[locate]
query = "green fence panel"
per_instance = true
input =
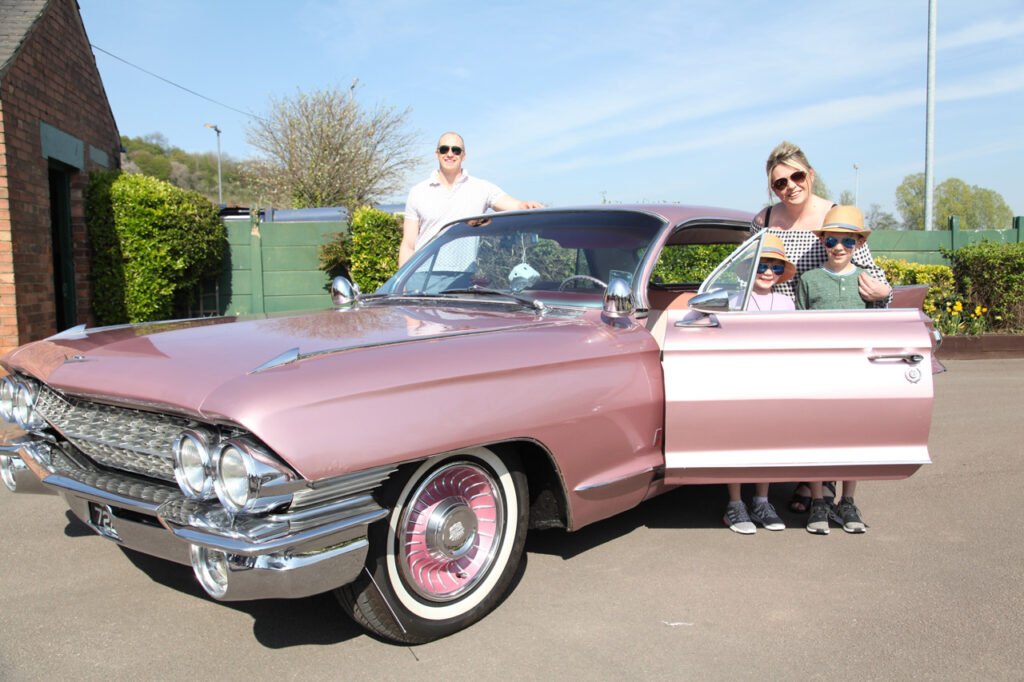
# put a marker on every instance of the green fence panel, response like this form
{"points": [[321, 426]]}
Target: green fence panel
{"points": [[271, 267]]}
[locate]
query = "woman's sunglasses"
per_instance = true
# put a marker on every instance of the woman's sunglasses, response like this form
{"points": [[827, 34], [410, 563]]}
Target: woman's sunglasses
{"points": [[777, 268], [781, 183], [443, 149], [848, 242]]}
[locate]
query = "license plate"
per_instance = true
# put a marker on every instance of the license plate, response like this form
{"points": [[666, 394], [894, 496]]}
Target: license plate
{"points": [[101, 518]]}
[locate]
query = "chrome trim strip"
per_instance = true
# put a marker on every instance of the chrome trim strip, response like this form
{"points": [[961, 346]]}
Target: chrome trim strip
{"points": [[286, 358], [618, 479], [276, 545]]}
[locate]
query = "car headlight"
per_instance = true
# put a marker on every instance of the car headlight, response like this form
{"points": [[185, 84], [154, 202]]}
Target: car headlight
{"points": [[7, 388], [24, 407], [246, 480], [193, 464]]}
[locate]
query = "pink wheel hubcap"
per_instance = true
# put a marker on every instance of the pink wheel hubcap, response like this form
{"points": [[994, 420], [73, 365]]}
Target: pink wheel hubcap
{"points": [[450, 531]]}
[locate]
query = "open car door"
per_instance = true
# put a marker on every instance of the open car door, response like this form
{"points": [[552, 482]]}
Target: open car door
{"points": [[792, 395]]}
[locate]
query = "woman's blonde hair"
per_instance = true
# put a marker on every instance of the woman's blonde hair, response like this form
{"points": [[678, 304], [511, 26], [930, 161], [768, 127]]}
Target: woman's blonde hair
{"points": [[789, 154]]}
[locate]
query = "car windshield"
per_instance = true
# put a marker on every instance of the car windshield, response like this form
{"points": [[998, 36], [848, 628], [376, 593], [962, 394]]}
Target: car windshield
{"points": [[558, 257]]}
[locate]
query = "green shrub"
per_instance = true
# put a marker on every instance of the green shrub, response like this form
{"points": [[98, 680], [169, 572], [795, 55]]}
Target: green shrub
{"points": [[107, 266], [938, 277], [368, 252], [688, 263], [152, 245], [991, 275]]}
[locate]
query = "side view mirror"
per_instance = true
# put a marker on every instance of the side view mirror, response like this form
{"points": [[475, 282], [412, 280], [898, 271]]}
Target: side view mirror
{"points": [[618, 299], [344, 292], [716, 301]]}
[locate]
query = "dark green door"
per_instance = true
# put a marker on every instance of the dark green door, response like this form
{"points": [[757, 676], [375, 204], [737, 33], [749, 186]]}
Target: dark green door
{"points": [[63, 253]]}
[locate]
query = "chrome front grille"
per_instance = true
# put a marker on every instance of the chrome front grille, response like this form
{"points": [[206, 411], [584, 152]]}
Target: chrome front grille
{"points": [[115, 437]]}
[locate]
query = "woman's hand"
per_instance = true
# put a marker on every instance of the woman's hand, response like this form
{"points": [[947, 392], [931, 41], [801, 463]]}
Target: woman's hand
{"points": [[871, 289]]}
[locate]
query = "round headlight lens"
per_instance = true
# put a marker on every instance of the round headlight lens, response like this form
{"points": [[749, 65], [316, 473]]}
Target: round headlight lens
{"points": [[24, 408], [234, 488], [192, 467], [7, 388]]}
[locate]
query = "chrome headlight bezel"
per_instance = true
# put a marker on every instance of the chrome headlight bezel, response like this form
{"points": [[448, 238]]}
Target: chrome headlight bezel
{"points": [[246, 478], [194, 471], [8, 386], [24, 407]]}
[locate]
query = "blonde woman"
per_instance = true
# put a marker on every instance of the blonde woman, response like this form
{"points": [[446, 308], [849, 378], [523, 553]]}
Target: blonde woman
{"points": [[794, 218]]}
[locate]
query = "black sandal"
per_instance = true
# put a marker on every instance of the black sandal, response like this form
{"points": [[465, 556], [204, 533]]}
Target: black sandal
{"points": [[801, 504]]}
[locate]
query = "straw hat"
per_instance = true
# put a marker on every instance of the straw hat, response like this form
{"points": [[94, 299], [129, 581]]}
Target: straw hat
{"points": [[844, 219], [772, 247]]}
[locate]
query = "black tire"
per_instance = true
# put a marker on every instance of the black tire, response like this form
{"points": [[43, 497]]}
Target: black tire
{"points": [[439, 564]]}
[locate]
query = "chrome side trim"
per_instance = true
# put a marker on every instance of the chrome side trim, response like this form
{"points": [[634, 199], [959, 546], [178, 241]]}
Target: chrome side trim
{"points": [[618, 479]]}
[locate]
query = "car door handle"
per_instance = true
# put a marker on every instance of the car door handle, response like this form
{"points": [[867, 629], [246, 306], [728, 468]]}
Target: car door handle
{"points": [[909, 358], [708, 322]]}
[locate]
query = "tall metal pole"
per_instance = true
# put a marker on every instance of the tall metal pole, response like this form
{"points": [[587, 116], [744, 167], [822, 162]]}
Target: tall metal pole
{"points": [[220, 187], [856, 185], [929, 135]]}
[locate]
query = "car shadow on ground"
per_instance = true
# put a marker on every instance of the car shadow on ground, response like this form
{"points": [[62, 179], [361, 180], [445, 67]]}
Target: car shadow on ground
{"points": [[282, 623], [277, 623], [689, 506]]}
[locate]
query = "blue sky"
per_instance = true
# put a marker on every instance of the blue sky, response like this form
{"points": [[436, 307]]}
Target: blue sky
{"points": [[571, 102]]}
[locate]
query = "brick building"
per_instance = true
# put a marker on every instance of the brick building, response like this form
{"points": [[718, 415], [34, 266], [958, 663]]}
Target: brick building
{"points": [[55, 126]]}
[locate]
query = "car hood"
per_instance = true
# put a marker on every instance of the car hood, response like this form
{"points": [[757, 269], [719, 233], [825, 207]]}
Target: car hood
{"points": [[178, 364]]}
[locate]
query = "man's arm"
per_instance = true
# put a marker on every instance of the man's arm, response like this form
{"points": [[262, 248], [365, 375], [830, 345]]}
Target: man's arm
{"points": [[509, 203], [410, 231]]}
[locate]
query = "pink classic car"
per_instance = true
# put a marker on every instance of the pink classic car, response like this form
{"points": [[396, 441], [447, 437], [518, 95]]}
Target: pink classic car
{"points": [[524, 370]]}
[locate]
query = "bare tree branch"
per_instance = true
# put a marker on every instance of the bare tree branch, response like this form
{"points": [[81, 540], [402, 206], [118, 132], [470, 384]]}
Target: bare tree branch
{"points": [[321, 148]]}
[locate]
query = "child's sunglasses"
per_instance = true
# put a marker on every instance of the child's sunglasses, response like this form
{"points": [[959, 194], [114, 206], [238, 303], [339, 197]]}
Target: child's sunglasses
{"points": [[848, 242], [777, 268]]}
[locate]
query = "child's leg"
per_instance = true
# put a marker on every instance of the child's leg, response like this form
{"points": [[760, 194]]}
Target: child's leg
{"points": [[734, 491], [849, 488], [761, 489]]}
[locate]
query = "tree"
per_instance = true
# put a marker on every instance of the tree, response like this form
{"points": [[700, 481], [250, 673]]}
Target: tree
{"points": [[978, 208], [877, 219], [846, 198], [322, 149]]}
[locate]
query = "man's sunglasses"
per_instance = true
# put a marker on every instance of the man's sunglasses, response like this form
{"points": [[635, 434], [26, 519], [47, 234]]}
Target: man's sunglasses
{"points": [[777, 268], [848, 242], [443, 149], [781, 183]]}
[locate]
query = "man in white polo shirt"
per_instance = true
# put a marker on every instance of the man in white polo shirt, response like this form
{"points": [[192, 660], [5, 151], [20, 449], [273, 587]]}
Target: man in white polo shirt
{"points": [[449, 194]]}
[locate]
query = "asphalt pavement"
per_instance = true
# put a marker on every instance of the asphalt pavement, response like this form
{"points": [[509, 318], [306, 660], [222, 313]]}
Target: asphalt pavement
{"points": [[933, 590]]}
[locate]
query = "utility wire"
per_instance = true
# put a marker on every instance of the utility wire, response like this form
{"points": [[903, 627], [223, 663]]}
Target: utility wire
{"points": [[182, 87]]}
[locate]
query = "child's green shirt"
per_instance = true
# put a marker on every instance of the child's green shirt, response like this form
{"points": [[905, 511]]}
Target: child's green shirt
{"points": [[821, 289]]}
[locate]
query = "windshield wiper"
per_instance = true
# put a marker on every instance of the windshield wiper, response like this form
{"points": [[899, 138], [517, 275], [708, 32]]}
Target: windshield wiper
{"points": [[476, 289]]}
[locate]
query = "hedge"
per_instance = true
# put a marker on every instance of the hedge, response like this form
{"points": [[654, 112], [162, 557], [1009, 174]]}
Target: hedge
{"points": [[152, 244], [938, 277], [991, 275], [368, 252]]}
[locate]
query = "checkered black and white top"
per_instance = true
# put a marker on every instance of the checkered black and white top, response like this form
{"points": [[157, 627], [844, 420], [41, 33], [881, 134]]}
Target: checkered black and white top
{"points": [[806, 252]]}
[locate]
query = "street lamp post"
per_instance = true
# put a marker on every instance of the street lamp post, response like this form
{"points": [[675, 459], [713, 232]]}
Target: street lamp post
{"points": [[220, 187], [856, 185]]}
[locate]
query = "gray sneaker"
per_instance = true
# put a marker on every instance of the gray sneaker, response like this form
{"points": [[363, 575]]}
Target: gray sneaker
{"points": [[737, 519], [817, 520], [849, 516], [764, 513]]}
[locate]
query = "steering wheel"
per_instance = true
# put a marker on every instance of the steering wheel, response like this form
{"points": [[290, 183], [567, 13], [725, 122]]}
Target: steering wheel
{"points": [[561, 287]]}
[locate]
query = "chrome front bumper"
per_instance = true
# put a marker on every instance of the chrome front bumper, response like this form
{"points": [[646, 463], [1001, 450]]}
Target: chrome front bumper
{"points": [[296, 553]]}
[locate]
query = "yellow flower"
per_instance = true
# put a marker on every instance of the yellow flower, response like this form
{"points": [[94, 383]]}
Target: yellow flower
{"points": [[977, 310], [984, 310], [958, 306]]}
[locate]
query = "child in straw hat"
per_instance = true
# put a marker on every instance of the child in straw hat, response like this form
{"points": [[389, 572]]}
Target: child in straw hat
{"points": [[835, 285], [772, 268]]}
